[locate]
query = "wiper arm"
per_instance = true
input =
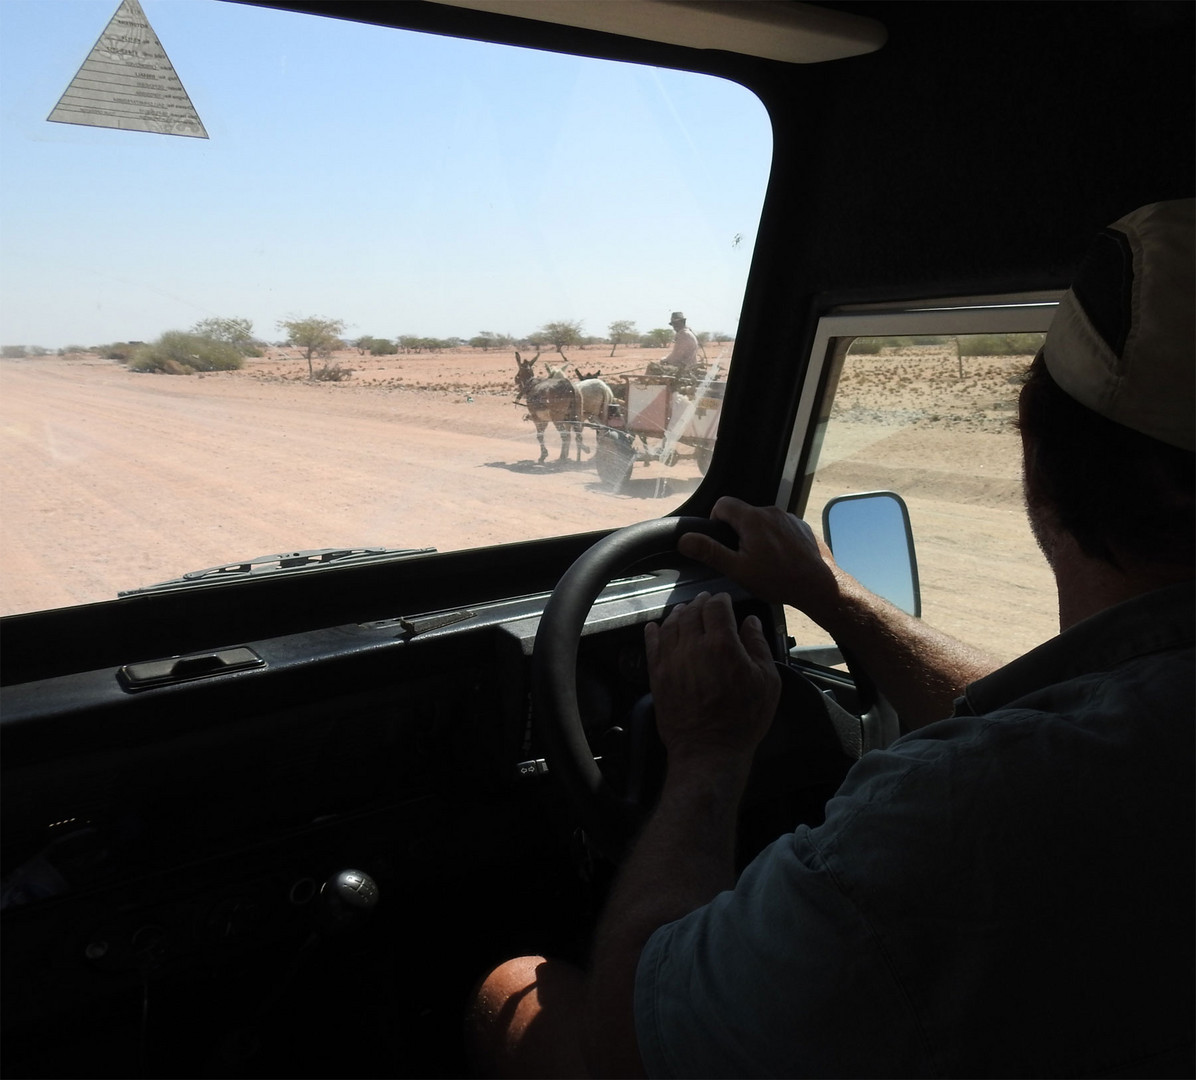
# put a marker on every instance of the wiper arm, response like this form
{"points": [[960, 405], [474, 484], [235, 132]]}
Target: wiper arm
{"points": [[265, 564], [270, 564]]}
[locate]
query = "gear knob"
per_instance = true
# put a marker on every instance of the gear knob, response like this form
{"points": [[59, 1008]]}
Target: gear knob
{"points": [[347, 898]]}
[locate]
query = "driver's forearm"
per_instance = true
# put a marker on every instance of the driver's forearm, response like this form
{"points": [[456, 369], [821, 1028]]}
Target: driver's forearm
{"points": [[684, 857], [919, 669]]}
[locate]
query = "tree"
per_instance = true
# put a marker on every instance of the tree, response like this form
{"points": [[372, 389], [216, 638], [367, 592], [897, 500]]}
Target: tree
{"points": [[622, 332], [236, 331], [488, 339], [660, 338], [313, 334], [560, 334], [375, 346]]}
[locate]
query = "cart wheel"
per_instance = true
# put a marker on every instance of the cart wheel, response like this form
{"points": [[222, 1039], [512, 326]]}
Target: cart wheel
{"points": [[615, 457], [703, 454]]}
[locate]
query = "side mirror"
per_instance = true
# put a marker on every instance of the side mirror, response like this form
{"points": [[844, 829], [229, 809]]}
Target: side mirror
{"points": [[870, 536]]}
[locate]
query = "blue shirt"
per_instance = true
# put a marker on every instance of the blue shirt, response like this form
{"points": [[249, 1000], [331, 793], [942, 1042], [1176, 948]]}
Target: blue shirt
{"points": [[1008, 892]]}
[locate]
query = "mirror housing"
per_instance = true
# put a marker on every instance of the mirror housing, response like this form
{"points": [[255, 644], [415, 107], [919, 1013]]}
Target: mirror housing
{"points": [[870, 537]]}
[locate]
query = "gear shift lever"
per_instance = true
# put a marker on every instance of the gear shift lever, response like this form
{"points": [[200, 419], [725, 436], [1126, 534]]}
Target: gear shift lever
{"points": [[346, 899]]}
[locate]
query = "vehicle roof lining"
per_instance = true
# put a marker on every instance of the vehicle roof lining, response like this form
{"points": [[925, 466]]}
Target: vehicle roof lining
{"points": [[784, 30]]}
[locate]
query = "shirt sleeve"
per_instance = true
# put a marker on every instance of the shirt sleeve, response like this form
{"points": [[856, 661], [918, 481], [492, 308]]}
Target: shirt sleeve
{"points": [[785, 975], [972, 906]]}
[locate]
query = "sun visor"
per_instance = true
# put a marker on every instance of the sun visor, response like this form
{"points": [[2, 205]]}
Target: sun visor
{"points": [[793, 33]]}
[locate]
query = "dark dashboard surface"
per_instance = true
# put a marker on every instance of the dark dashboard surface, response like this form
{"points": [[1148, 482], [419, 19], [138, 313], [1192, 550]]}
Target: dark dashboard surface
{"points": [[165, 840]]}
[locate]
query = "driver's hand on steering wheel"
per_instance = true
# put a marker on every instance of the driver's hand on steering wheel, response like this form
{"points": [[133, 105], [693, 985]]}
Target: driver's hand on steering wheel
{"points": [[779, 559], [714, 686]]}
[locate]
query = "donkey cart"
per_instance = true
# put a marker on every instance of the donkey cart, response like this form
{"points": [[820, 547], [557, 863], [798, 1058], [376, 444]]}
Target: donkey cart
{"points": [[658, 415]]}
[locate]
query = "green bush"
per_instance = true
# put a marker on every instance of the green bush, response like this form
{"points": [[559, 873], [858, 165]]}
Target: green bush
{"points": [[872, 346], [924, 339], [1000, 344], [119, 350], [969, 344], [335, 373], [180, 353]]}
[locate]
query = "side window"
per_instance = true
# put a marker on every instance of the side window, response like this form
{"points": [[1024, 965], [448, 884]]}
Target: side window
{"points": [[933, 417]]}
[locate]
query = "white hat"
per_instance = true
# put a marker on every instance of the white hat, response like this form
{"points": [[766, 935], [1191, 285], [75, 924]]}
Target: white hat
{"points": [[1122, 341]]}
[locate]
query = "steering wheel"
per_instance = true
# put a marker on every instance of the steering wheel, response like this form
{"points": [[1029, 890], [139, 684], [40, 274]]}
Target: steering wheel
{"points": [[609, 816]]}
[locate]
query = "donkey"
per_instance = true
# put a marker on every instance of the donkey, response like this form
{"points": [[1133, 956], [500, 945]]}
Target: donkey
{"points": [[594, 394], [560, 401]]}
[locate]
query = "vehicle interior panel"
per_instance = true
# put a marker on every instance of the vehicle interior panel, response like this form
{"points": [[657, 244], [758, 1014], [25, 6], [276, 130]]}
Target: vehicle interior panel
{"points": [[170, 853]]}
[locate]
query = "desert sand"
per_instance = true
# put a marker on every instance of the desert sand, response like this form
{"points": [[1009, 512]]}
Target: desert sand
{"points": [[111, 480]]}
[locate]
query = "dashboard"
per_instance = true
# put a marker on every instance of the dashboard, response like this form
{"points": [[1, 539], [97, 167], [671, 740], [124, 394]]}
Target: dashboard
{"points": [[180, 843]]}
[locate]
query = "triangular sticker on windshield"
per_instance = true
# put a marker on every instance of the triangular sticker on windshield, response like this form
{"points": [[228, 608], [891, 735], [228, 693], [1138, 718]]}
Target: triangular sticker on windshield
{"points": [[128, 82]]}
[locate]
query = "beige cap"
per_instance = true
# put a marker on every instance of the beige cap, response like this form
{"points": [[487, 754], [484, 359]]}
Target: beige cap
{"points": [[1123, 340]]}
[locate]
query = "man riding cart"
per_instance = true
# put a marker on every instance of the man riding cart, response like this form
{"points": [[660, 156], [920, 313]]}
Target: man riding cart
{"points": [[676, 401]]}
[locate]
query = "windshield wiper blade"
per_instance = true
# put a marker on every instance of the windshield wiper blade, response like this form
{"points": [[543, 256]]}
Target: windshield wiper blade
{"points": [[271, 564]]}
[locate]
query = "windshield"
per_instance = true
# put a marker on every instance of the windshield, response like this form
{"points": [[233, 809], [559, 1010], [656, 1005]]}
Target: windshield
{"points": [[294, 325]]}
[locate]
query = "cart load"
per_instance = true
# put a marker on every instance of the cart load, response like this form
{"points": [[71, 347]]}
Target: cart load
{"points": [[656, 416]]}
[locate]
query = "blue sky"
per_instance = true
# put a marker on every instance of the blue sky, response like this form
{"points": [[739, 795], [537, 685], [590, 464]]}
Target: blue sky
{"points": [[401, 182]]}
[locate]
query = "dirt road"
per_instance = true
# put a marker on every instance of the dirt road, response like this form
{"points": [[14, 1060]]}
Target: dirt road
{"points": [[110, 480]]}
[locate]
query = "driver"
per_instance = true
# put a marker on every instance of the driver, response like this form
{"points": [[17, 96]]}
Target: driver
{"points": [[681, 363], [684, 353], [1007, 891]]}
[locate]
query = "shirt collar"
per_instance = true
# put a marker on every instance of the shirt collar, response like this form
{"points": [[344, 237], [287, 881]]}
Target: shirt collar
{"points": [[1154, 622]]}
